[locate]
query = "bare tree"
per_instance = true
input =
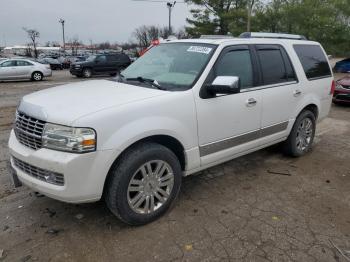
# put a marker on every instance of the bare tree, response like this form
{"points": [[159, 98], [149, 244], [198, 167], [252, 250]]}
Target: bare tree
{"points": [[33, 34], [28, 51], [74, 44], [145, 34], [142, 36]]}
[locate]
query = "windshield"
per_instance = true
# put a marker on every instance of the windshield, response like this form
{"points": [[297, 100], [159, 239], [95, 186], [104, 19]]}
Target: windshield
{"points": [[174, 66]]}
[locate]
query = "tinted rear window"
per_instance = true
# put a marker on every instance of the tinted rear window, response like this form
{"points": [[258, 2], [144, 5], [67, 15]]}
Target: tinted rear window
{"points": [[313, 60], [275, 65]]}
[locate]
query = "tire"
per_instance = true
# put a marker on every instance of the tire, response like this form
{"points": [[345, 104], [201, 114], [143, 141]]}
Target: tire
{"points": [[127, 200], [37, 76], [300, 139], [87, 73]]}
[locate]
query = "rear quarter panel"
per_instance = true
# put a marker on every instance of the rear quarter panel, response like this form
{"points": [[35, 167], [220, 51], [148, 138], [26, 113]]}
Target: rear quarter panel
{"points": [[315, 91]]}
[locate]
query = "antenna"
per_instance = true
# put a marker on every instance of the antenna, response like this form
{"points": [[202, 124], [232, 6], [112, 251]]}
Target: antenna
{"points": [[170, 5]]}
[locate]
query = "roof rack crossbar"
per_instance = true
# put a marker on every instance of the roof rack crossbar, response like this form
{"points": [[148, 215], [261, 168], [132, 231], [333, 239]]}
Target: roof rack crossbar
{"points": [[215, 37], [271, 35]]}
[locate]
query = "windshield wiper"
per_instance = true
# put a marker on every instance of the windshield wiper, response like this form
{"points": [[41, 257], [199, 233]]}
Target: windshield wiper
{"points": [[145, 80]]}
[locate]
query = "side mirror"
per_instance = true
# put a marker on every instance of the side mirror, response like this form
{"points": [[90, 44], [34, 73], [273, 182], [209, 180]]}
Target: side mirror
{"points": [[225, 85]]}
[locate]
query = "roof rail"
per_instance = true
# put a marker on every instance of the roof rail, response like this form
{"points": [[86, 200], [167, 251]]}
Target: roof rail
{"points": [[271, 35], [215, 36]]}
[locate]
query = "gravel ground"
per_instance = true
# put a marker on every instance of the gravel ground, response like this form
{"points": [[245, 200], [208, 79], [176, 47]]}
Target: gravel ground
{"points": [[260, 207]]}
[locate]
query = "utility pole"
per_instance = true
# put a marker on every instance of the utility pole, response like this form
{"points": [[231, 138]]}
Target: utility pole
{"points": [[249, 14], [64, 42], [170, 7]]}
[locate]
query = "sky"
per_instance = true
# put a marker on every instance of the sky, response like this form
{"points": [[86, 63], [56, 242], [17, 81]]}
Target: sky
{"points": [[101, 20]]}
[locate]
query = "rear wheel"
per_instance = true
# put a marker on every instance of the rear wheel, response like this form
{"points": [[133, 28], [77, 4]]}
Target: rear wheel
{"points": [[37, 76], [143, 184], [302, 135], [87, 73]]}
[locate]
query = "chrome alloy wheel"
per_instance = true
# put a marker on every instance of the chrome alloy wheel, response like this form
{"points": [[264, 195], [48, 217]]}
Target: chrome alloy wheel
{"points": [[304, 134], [37, 76], [87, 73], [150, 186]]}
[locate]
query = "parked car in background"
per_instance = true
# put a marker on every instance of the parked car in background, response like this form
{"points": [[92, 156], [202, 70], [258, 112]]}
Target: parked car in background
{"points": [[342, 66], [100, 64], [54, 63], [11, 69], [342, 91], [64, 61]]}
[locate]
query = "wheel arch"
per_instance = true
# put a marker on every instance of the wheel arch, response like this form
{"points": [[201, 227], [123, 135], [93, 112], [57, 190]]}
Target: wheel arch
{"points": [[311, 107], [167, 141]]}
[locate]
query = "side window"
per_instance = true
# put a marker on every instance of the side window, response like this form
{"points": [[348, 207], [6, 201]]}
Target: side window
{"points": [[236, 63], [101, 58], [313, 60], [124, 58], [23, 63], [8, 63], [112, 58], [273, 67]]}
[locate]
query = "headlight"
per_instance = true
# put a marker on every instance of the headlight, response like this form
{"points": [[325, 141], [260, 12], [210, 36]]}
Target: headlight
{"points": [[70, 139]]}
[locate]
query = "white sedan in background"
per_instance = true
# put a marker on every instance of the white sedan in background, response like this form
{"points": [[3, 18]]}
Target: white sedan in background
{"points": [[12, 69]]}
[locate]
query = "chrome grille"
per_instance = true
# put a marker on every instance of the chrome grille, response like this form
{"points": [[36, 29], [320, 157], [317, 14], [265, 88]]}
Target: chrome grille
{"points": [[39, 173], [29, 130]]}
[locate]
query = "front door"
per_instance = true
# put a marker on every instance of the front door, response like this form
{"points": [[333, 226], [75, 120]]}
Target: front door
{"points": [[101, 65], [229, 124]]}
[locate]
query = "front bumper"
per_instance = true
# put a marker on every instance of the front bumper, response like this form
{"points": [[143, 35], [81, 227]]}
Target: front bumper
{"points": [[341, 96], [84, 174], [76, 71], [47, 72]]}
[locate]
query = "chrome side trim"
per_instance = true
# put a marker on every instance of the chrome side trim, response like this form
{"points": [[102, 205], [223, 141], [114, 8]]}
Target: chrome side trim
{"points": [[268, 86], [241, 139]]}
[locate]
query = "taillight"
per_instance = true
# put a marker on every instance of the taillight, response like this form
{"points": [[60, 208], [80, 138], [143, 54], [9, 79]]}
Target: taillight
{"points": [[332, 88]]}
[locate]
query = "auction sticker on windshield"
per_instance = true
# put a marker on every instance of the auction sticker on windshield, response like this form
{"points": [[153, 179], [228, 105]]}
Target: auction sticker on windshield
{"points": [[199, 49]]}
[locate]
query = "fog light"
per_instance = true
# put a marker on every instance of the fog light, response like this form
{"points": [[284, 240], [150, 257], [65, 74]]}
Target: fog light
{"points": [[50, 178]]}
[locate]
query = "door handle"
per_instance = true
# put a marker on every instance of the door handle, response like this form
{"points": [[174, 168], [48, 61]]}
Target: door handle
{"points": [[251, 102], [296, 93]]}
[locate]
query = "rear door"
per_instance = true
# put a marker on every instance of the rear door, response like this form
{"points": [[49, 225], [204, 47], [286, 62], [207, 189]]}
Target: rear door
{"points": [[8, 70], [281, 90], [113, 63]]}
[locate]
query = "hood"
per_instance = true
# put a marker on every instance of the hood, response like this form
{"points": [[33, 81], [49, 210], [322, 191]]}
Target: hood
{"points": [[66, 103]]}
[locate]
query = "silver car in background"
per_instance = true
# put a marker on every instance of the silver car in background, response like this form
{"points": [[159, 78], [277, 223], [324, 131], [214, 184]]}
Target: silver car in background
{"points": [[12, 69]]}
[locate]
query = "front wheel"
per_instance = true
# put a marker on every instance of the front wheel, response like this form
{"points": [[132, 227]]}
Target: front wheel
{"points": [[302, 135], [87, 73], [143, 184], [37, 76]]}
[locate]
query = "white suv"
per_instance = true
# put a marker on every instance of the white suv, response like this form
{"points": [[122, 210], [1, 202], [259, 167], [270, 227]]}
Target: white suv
{"points": [[182, 107]]}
